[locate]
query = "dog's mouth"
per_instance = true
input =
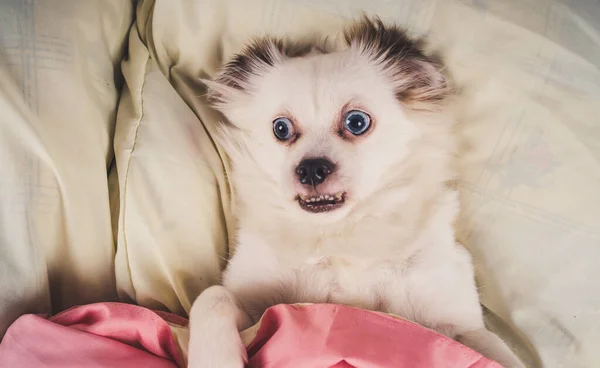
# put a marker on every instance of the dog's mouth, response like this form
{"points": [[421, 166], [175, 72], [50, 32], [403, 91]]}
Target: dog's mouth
{"points": [[321, 203]]}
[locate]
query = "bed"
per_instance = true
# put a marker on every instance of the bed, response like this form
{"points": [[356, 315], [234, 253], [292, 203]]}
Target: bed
{"points": [[111, 187]]}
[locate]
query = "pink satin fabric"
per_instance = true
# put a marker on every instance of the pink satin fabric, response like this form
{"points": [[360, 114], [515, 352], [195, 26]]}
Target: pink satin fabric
{"points": [[322, 335], [99, 335], [327, 335]]}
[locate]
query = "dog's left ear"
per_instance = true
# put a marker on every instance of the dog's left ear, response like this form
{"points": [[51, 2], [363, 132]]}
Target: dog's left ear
{"points": [[235, 78], [417, 77]]}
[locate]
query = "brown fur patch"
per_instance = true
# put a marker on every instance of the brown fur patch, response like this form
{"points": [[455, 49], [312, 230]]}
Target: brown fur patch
{"points": [[238, 70], [260, 53], [417, 75], [420, 73]]}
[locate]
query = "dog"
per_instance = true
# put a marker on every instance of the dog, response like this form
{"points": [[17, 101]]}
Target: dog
{"points": [[342, 157]]}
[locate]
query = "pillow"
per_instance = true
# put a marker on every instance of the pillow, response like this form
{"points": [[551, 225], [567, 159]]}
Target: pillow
{"points": [[530, 75], [59, 82]]}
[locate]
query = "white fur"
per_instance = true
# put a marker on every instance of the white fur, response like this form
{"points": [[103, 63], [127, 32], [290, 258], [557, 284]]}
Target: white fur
{"points": [[391, 247]]}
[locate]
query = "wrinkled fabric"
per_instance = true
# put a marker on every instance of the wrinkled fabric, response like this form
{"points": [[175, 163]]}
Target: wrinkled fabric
{"points": [[59, 87], [118, 335], [328, 335], [102, 335]]}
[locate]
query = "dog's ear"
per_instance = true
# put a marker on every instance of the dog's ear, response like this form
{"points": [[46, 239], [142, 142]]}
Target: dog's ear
{"points": [[417, 77], [234, 78]]}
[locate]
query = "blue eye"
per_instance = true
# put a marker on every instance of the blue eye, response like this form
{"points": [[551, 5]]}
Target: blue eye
{"points": [[357, 122], [283, 129]]}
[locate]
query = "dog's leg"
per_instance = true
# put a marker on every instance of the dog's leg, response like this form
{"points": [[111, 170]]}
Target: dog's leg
{"points": [[215, 321], [490, 345]]}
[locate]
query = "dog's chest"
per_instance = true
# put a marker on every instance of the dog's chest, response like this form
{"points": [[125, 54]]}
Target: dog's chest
{"points": [[339, 279], [262, 276]]}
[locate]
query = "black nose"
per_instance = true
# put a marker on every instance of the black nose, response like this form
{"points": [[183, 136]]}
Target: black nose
{"points": [[314, 171]]}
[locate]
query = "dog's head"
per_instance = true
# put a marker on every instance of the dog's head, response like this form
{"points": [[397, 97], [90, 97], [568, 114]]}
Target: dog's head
{"points": [[318, 129]]}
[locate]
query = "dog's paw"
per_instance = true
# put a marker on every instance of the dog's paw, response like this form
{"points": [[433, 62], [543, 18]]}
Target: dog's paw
{"points": [[214, 338], [216, 348]]}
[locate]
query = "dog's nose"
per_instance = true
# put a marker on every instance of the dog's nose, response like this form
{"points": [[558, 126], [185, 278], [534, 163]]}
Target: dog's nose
{"points": [[314, 171]]}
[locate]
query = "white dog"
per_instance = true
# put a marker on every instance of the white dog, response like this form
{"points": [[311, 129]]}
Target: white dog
{"points": [[341, 162]]}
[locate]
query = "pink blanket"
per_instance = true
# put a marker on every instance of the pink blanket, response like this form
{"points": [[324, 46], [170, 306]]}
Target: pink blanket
{"points": [[319, 335]]}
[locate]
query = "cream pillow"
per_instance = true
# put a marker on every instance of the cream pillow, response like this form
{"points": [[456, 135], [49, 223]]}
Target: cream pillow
{"points": [[59, 62]]}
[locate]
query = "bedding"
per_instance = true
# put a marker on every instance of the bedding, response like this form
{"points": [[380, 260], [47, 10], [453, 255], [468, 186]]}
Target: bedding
{"points": [[530, 80], [529, 72], [320, 335], [328, 335], [59, 84], [108, 335]]}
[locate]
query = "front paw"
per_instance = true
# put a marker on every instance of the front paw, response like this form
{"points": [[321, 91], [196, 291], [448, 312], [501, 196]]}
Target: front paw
{"points": [[216, 347], [214, 338]]}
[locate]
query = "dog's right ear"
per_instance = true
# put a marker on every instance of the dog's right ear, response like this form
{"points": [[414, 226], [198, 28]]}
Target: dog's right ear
{"points": [[235, 79], [417, 77]]}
